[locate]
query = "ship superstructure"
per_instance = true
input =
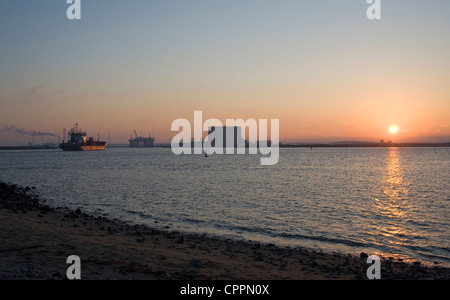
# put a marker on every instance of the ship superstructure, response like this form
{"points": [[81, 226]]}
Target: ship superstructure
{"points": [[77, 141]]}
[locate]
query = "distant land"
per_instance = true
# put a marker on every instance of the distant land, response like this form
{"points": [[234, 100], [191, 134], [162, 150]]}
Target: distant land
{"points": [[342, 144], [352, 144], [45, 147]]}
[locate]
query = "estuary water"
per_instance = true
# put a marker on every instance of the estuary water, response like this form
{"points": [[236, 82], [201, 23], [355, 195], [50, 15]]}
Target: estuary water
{"points": [[390, 201]]}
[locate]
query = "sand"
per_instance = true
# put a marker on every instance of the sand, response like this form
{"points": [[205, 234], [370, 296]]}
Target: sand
{"points": [[36, 240]]}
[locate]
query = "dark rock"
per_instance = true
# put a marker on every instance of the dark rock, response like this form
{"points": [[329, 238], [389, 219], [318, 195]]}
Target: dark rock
{"points": [[57, 275], [313, 264], [195, 263]]}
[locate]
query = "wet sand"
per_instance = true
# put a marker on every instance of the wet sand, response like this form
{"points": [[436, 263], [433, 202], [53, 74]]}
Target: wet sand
{"points": [[35, 241]]}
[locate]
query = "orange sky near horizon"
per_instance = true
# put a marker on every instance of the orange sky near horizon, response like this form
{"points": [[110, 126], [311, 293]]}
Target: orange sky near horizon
{"points": [[323, 69]]}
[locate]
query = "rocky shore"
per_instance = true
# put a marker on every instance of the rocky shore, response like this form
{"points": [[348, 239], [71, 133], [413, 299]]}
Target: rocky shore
{"points": [[35, 241]]}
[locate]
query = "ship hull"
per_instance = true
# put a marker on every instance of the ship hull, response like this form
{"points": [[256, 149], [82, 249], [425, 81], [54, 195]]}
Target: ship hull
{"points": [[82, 147]]}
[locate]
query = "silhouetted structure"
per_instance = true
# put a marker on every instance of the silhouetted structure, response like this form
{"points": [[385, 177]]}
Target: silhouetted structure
{"points": [[77, 141], [237, 137], [140, 141]]}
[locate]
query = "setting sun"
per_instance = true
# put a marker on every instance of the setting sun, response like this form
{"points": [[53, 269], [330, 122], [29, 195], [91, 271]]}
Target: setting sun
{"points": [[393, 129]]}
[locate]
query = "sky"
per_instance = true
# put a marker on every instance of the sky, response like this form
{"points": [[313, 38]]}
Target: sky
{"points": [[321, 67]]}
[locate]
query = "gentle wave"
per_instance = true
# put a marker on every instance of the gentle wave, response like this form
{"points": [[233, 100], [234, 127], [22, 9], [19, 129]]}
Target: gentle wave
{"points": [[389, 200]]}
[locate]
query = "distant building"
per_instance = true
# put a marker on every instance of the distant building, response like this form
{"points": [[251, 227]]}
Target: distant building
{"points": [[235, 134], [140, 141]]}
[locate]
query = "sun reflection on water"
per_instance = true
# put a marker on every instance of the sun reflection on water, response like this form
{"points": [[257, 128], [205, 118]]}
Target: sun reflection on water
{"points": [[391, 205]]}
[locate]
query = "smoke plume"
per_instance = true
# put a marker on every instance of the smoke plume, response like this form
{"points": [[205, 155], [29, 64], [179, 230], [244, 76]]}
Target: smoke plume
{"points": [[21, 131]]}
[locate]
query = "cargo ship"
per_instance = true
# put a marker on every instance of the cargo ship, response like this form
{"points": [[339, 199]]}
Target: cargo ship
{"points": [[77, 141]]}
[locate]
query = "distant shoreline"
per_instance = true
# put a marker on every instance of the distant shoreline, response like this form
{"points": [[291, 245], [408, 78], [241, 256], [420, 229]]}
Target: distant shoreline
{"points": [[28, 148], [312, 145], [367, 145]]}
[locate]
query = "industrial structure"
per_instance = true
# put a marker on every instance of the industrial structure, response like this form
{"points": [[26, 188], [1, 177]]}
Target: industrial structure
{"points": [[140, 141], [234, 136]]}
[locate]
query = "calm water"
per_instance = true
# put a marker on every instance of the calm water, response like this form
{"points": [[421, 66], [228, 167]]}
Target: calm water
{"points": [[390, 201]]}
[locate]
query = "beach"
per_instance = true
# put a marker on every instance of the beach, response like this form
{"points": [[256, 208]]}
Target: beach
{"points": [[36, 241]]}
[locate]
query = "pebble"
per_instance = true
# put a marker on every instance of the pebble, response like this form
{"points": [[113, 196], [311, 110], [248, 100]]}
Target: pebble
{"points": [[195, 263], [16, 199]]}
